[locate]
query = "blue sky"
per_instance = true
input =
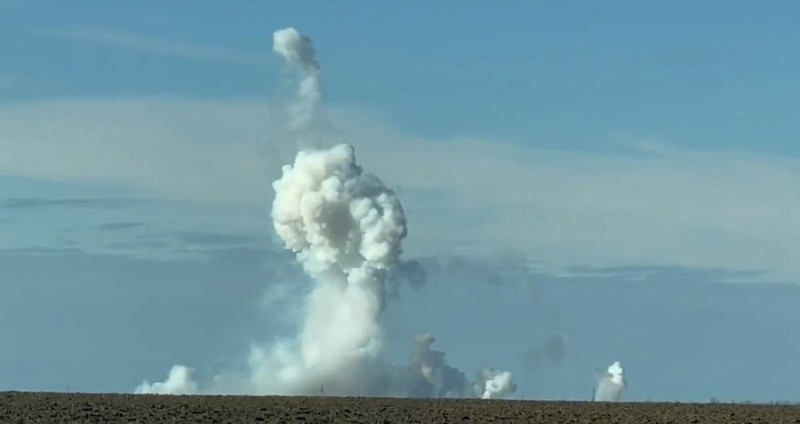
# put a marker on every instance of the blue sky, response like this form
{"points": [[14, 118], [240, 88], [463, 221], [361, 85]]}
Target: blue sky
{"points": [[138, 146]]}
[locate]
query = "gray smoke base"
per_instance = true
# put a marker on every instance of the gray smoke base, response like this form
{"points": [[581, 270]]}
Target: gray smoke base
{"points": [[505, 267], [346, 230], [430, 376], [416, 272]]}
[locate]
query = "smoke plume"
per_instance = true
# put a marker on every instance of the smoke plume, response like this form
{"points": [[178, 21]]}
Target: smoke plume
{"points": [[611, 385], [346, 229], [298, 50]]}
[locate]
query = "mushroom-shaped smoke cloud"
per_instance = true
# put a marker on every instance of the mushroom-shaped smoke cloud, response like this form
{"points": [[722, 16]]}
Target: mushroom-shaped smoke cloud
{"points": [[346, 229]]}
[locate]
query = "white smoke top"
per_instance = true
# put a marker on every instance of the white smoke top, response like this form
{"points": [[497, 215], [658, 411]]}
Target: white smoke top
{"points": [[179, 382], [298, 50], [611, 385], [346, 229]]}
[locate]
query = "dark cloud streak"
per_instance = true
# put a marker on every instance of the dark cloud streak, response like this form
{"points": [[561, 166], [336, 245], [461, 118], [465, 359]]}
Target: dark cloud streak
{"points": [[89, 203], [214, 239], [113, 226]]}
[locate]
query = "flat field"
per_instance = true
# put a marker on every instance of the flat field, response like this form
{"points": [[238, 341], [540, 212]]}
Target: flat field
{"points": [[16, 407]]}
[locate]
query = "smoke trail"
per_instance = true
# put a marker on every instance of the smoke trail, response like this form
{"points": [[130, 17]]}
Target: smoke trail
{"points": [[611, 385], [298, 50], [346, 229]]}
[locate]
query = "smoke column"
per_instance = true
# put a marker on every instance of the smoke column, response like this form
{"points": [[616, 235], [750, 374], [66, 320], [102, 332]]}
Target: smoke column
{"points": [[611, 385], [346, 229]]}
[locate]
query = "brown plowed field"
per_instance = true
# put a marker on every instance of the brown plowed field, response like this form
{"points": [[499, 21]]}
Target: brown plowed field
{"points": [[103, 408]]}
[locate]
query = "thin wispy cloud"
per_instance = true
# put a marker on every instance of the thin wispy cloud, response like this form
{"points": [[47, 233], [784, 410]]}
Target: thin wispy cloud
{"points": [[144, 141], [647, 145], [11, 4], [6, 81], [35, 203], [211, 239], [159, 46], [40, 250], [139, 244], [713, 209], [114, 226]]}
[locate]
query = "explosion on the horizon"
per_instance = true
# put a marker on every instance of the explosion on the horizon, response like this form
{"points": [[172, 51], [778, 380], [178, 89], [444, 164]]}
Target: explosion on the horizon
{"points": [[611, 385], [179, 382], [346, 229]]}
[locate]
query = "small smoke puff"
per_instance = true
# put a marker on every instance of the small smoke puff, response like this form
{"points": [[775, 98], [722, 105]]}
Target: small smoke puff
{"points": [[295, 48], [179, 382], [611, 385], [495, 384]]}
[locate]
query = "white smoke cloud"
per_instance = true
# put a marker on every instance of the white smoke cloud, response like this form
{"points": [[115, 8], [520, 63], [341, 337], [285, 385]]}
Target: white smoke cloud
{"points": [[431, 376], [346, 229], [495, 384], [179, 382], [611, 385]]}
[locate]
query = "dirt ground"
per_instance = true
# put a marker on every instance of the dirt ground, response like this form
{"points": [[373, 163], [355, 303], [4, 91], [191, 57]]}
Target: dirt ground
{"points": [[108, 408]]}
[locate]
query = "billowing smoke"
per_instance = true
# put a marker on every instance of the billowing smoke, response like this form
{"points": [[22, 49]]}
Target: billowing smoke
{"points": [[611, 385], [179, 382], [346, 229], [494, 384], [430, 376]]}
